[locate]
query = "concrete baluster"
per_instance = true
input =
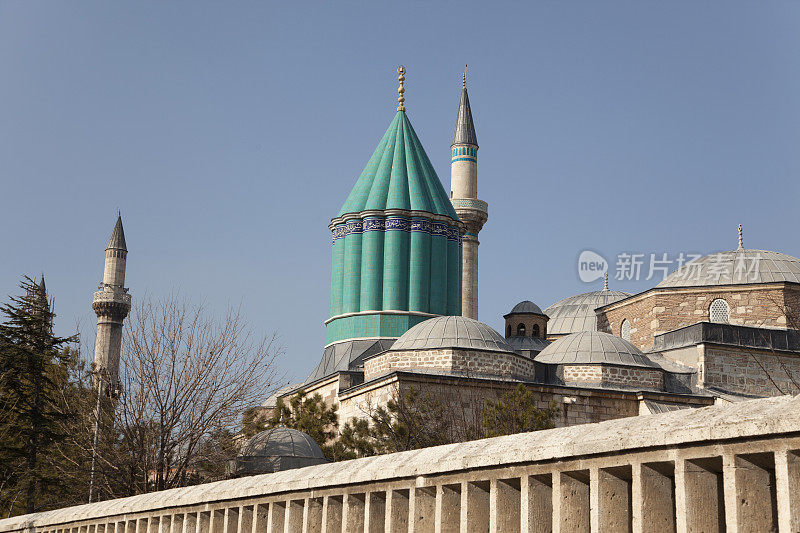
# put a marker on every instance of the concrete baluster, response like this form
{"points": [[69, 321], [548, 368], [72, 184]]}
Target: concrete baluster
{"points": [[295, 510], [653, 497], [475, 506], [397, 511], [332, 514], [204, 522], [189, 523], [277, 517], [354, 510], [536, 503], [312, 516], [787, 482], [505, 505], [375, 512], [699, 501], [261, 518], [448, 508], [571, 502], [423, 510], [245, 524], [610, 499], [750, 496]]}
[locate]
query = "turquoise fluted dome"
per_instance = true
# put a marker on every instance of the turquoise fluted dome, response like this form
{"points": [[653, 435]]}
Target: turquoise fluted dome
{"points": [[399, 175], [396, 244]]}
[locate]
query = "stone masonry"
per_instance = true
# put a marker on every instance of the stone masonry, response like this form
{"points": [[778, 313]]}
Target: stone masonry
{"points": [[454, 360], [658, 311]]}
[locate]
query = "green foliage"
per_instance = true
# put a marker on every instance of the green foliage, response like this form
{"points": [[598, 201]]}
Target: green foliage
{"points": [[516, 412], [33, 366], [309, 414]]}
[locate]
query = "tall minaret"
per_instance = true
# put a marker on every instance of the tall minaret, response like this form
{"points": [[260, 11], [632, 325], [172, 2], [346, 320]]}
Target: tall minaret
{"points": [[464, 195], [111, 303]]}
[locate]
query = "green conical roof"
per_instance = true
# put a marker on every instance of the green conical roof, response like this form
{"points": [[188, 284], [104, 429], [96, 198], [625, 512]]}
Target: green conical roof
{"points": [[399, 175]]}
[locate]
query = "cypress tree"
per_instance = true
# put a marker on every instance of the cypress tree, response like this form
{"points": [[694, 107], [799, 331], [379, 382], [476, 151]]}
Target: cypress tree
{"points": [[29, 414]]}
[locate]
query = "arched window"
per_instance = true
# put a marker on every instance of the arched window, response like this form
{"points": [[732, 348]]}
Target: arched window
{"points": [[625, 330], [508, 331], [535, 331], [719, 311], [521, 330]]}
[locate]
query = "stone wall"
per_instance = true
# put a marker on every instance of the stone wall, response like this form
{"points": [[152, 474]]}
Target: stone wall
{"points": [[633, 377], [529, 320], [753, 372], [664, 472], [661, 310], [454, 360]]}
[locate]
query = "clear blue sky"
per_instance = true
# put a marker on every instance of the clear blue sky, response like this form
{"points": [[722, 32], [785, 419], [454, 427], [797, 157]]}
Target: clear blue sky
{"points": [[229, 133]]}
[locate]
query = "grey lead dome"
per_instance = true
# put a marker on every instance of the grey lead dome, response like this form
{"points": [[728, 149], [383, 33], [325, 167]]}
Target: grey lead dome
{"points": [[593, 347], [526, 306], [276, 449], [452, 332], [576, 313], [736, 267]]}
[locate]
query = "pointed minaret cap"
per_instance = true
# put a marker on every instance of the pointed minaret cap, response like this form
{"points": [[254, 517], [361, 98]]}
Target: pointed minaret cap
{"points": [[465, 129], [605, 281], [741, 245], [117, 240]]}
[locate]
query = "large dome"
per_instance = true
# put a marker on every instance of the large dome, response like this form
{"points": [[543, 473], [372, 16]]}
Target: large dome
{"points": [[736, 267], [593, 347], [452, 332], [276, 449], [576, 313]]}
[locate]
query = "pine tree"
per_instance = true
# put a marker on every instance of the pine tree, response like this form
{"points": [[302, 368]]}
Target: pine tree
{"points": [[30, 420]]}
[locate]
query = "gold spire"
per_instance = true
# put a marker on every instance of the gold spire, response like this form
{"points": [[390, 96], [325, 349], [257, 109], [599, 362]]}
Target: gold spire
{"points": [[464, 78], [401, 71], [605, 281], [741, 246]]}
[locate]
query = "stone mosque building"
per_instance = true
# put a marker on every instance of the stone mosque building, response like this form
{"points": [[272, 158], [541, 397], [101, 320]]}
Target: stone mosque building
{"points": [[404, 309]]}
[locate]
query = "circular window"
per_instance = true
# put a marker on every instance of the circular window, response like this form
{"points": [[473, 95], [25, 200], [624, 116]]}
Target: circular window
{"points": [[625, 330], [719, 311]]}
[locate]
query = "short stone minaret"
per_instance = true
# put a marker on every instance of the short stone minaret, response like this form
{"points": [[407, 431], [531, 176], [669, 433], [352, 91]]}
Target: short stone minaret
{"points": [[464, 195], [111, 303]]}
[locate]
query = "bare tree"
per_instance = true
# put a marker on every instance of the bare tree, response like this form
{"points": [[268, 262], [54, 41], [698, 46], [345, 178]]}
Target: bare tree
{"points": [[187, 377]]}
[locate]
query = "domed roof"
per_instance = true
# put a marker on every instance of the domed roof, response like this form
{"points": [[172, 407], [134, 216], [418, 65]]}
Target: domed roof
{"points": [[736, 267], [399, 175], [274, 450], [576, 313], [452, 332], [593, 347], [281, 441], [526, 307]]}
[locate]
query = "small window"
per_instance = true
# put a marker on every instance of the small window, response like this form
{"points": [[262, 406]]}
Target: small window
{"points": [[521, 330], [535, 331], [508, 331], [625, 330], [719, 311]]}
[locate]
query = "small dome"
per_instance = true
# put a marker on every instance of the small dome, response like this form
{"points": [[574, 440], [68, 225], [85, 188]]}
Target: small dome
{"points": [[576, 313], [527, 307], [736, 267], [276, 449], [452, 332], [593, 347]]}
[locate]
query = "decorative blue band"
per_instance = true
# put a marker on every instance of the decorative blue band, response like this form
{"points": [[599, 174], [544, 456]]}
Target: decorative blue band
{"points": [[473, 159], [421, 225]]}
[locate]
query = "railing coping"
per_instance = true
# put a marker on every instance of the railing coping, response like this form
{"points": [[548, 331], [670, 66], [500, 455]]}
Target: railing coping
{"points": [[747, 419]]}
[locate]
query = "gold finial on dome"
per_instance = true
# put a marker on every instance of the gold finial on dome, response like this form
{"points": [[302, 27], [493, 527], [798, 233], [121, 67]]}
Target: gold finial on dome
{"points": [[605, 281], [741, 246], [464, 78], [401, 71]]}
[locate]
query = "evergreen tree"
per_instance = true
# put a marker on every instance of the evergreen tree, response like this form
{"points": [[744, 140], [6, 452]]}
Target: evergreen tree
{"points": [[30, 418], [516, 412]]}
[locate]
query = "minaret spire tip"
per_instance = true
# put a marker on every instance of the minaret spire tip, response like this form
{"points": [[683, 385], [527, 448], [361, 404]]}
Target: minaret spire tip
{"points": [[741, 246], [401, 71], [605, 281], [464, 78]]}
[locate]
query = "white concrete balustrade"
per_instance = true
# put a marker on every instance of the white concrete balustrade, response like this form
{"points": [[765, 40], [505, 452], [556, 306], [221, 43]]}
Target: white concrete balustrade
{"points": [[733, 468]]}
